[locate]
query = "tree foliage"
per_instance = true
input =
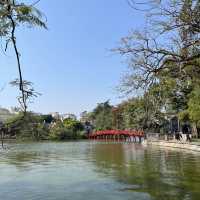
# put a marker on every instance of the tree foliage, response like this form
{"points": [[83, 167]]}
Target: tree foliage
{"points": [[102, 116], [12, 15], [164, 59], [68, 129], [194, 106], [42, 127], [29, 126]]}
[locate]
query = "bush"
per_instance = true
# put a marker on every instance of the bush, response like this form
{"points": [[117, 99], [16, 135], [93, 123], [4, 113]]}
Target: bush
{"points": [[27, 127], [60, 132]]}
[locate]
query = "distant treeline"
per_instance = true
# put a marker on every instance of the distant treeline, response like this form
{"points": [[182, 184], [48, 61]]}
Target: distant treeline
{"points": [[139, 113], [33, 126]]}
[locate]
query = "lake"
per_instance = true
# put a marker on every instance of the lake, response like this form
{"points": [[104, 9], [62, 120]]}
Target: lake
{"points": [[97, 171]]}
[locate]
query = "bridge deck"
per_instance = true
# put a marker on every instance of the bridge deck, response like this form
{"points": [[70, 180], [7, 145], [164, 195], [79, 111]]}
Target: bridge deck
{"points": [[118, 135]]}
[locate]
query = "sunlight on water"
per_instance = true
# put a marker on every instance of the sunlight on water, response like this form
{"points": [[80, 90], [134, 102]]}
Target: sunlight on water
{"points": [[84, 170]]}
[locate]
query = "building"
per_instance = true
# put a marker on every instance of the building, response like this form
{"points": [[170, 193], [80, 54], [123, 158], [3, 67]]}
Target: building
{"points": [[5, 114], [68, 116], [55, 115], [62, 117]]}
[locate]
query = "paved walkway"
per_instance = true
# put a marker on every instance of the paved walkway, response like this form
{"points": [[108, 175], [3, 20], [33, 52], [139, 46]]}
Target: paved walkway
{"points": [[193, 146]]}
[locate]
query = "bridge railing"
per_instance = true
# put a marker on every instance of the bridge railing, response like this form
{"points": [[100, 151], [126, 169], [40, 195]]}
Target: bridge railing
{"points": [[117, 132]]}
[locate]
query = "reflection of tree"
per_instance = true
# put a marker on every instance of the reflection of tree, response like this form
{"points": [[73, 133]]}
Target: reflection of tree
{"points": [[27, 160], [164, 174], [108, 157], [22, 159], [28, 155]]}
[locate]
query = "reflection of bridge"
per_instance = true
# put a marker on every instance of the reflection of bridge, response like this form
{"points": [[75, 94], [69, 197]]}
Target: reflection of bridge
{"points": [[118, 135]]}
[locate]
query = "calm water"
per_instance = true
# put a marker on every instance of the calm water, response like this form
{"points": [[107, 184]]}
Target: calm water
{"points": [[84, 171]]}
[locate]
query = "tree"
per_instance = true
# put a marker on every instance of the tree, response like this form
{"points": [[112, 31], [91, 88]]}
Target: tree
{"points": [[102, 116], [68, 129], [164, 58], [28, 93], [29, 126], [193, 111], [118, 116], [46, 119], [2, 134], [12, 15], [72, 124], [171, 43]]}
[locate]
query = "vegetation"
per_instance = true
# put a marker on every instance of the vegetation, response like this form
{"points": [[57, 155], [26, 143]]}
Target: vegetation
{"points": [[136, 113], [12, 15], [68, 129], [42, 127], [164, 67], [26, 127], [164, 63]]}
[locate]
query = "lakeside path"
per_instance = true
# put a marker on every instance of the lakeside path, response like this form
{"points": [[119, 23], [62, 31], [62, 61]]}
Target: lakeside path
{"points": [[192, 146]]}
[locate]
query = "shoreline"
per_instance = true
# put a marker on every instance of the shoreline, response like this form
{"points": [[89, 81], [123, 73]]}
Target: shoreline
{"points": [[174, 144]]}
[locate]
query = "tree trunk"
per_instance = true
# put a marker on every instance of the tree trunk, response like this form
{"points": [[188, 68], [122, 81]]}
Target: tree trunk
{"points": [[2, 139], [194, 130], [198, 132]]}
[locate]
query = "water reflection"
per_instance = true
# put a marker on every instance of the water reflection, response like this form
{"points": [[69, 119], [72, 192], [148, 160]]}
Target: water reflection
{"points": [[60, 171], [164, 174]]}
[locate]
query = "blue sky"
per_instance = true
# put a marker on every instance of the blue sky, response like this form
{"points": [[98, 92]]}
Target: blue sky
{"points": [[70, 64]]}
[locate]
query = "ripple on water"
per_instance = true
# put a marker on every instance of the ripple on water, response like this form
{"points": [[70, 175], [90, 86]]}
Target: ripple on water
{"points": [[84, 170]]}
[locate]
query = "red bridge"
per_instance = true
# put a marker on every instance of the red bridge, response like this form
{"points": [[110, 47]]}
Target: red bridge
{"points": [[118, 135]]}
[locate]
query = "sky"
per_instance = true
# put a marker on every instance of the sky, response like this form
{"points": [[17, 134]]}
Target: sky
{"points": [[71, 64]]}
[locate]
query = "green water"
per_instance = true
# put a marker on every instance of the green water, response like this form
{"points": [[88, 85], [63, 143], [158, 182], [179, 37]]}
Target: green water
{"points": [[84, 170]]}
